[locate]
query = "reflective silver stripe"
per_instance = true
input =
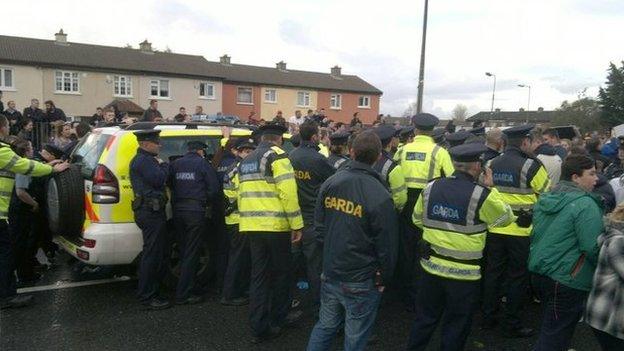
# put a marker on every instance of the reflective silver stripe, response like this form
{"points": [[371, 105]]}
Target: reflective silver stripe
{"points": [[5, 193], [400, 188], [264, 161], [502, 219], [265, 194], [524, 172], [284, 177], [11, 163], [269, 214], [255, 176], [7, 174], [416, 180], [31, 166], [231, 174], [293, 214], [474, 273], [432, 162], [513, 190], [471, 214], [385, 169], [469, 228], [521, 206], [339, 162], [459, 254]]}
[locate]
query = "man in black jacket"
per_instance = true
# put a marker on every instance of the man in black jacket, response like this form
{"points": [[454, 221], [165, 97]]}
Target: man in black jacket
{"points": [[311, 170], [358, 226], [54, 113]]}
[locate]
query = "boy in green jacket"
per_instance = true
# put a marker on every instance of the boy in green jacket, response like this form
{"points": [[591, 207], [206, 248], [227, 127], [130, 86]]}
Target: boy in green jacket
{"points": [[564, 250]]}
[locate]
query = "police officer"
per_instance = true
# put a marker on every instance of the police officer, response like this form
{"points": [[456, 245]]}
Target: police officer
{"points": [[311, 170], [458, 138], [495, 143], [148, 176], [519, 178], [338, 150], [194, 186], [454, 213], [391, 173], [359, 231], [270, 216], [406, 136], [439, 137], [10, 163], [236, 281]]}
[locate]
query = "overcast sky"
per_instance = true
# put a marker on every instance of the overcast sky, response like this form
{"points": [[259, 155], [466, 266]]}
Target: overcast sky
{"points": [[558, 47]]}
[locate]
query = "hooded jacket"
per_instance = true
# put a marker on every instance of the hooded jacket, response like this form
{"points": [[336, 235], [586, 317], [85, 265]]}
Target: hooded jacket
{"points": [[566, 223], [551, 161]]}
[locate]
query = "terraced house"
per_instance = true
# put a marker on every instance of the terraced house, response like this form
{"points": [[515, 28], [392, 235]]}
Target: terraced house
{"points": [[79, 77]]}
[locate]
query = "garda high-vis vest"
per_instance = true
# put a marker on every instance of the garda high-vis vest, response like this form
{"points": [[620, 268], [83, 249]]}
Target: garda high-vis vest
{"points": [[267, 192], [392, 174], [519, 178], [230, 191], [10, 164], [455, 213], [323, 150]]}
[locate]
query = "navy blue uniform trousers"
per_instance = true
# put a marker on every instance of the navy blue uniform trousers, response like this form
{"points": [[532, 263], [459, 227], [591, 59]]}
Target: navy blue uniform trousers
{"points": [[153, 266], [190, 236]]}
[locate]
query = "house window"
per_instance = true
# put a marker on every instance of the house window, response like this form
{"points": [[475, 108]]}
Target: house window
{"points": [[244, 96], [122, 86], [6, 78], [335, 101], [67, 82], [303, 99], [159, 88], [364, 101], [270, 95], [207, 90]]}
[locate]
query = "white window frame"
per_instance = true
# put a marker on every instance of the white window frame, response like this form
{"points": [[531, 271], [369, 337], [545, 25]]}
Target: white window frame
{"points": [[335, 102], [73, 80], [268, 101], [3, 86], [238, 89], [158, 86], [368, 101], [117, 85], [306, 96], [212, 96]]}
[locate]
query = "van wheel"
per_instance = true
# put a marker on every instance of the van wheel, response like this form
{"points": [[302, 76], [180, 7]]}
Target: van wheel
{"points": [[65, 202], [204, 270]]}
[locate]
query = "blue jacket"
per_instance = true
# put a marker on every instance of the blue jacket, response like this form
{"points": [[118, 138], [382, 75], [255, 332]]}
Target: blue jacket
{"points": [[192, 178], [148, 178]]}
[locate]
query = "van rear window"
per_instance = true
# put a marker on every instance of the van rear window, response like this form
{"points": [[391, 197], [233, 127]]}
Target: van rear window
{"points": [[174, 147], [88, 152]]}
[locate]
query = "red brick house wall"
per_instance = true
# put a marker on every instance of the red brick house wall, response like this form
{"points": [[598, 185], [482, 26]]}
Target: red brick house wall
{"points": [[232, 107], [349, 107]]}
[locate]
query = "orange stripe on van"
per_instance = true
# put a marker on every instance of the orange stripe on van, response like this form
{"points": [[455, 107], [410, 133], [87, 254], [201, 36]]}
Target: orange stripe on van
{"points": [[89, 209], [110, 142]]}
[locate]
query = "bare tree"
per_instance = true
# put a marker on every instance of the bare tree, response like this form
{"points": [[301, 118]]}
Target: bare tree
{"points": [[460, 112], [411, 109]]}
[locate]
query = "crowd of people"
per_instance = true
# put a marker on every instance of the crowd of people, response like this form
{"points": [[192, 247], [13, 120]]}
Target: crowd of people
{"points": [[454, 221]]}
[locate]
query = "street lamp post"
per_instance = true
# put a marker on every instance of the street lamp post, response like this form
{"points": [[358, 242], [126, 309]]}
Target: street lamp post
{"points": [[421, 76], [528, 102], [493, 90]]}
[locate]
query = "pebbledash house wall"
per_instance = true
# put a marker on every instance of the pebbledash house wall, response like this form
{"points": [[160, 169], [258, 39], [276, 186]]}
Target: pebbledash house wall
{"points": [[286, 102]]}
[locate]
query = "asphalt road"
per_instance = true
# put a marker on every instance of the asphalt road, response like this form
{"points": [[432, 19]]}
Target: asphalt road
{"points": [[105, 316]]}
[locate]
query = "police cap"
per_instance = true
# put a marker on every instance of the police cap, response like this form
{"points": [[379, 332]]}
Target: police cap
{"points": [[152, 135], [478, 130], [54, 150], [385, 132], [406, 131], [273, 129], [519, 132], [196, 145], [425, 121], [438, 134], [339, 138], [458, 138], [467, 152], [244, 143]]}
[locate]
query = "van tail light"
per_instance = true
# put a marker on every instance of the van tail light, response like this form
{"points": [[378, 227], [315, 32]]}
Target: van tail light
{"points": [[105, 188]]}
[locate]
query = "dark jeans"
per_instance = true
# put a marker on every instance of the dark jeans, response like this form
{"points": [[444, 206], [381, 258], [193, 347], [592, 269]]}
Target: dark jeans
{"points": [[7, 263], [607, 341], [24, 242], [562, 309], [153, 266], [408, 270], [456, 299], [355, 304], [219, 247], [506, 254], [312, 251], [190, 234], [271, 263], [236, 283]]}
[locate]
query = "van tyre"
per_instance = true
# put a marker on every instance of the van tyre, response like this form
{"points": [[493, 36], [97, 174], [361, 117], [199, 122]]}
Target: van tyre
{"points": [[65, 203]]}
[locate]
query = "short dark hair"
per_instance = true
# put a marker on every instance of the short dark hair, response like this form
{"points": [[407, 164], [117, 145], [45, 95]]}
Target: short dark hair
{"points": [[98, 108], [575, 164], [50, 102], [25, 121], [307, 130], [271, 138], [366, 147], [355, 114], [153, 101], [551, 132], [593, 144], [82, 129]]}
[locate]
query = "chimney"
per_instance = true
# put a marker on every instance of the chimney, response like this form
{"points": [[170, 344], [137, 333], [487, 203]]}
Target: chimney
{"points": [[281, 66], [521, 109], [145, 46], [540, 109], [60, 37], [497, 110], [224, 60], [335, 71]]}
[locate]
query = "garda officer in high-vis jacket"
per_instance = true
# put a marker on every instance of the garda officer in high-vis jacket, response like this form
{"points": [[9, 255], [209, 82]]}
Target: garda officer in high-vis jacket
{"points": [[270, 215], [10, 164], [406, 136], [148, 176], [391, 172], [194, 186], [338, 150], [236, 281], [454, 213], [520, 178]]}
